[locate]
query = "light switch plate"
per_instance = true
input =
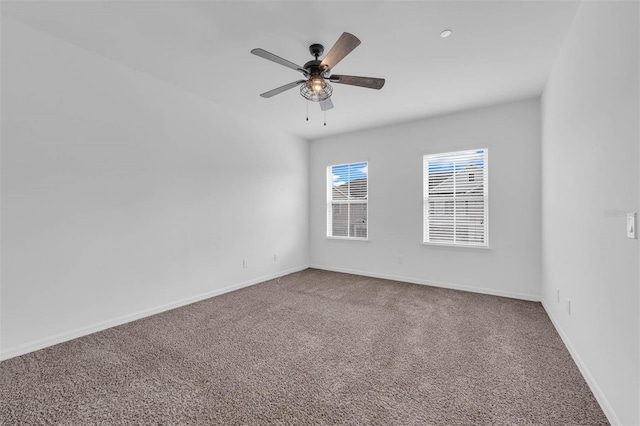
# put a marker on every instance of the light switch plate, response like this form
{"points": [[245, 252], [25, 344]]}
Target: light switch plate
{"points": [[631, 225]]}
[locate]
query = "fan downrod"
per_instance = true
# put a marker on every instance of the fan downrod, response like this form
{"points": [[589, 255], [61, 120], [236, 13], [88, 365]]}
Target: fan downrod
{"points": [[316, 50]]}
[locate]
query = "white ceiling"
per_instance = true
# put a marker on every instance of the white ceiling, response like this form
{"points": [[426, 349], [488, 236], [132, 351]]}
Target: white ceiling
{"points": [[499, 50]]}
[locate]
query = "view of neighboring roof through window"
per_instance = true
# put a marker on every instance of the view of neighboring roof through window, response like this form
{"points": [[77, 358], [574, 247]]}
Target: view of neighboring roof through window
{"points": [[347, 199]]}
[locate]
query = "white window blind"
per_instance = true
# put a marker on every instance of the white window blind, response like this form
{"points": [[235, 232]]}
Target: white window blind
{"points": [[455, 188], [347, 197]]}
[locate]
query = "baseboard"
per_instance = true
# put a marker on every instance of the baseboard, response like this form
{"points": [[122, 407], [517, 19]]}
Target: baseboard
{"points": [[593, 385], [83, 331], [512, 295]]}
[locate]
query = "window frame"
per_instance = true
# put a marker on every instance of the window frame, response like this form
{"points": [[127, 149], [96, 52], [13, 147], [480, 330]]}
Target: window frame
{"points": [[427, 239], [347, 202]]}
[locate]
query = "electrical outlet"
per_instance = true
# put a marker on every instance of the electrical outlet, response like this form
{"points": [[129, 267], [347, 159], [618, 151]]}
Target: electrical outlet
{"points": [[400, 260], [244, 263], [568, 306], [558, 295], [275, 257], [631, 225]]}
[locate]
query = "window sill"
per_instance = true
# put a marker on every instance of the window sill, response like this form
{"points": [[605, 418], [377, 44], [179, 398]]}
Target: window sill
{"points": [[456, 246], [348, 239]]}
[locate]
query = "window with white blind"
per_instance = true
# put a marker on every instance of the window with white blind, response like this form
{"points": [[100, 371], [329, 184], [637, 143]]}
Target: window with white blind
{"points": [[455, 189], [347, 197]]}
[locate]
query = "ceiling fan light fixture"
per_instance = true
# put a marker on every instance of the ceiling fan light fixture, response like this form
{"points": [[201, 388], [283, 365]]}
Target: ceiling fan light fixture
{"points": [[316, 89]]}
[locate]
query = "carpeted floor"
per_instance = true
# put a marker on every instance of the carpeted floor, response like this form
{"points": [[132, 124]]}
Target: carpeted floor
{"points": [[315, 347]]}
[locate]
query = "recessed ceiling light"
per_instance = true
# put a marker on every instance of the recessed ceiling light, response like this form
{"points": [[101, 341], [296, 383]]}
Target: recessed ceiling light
{"points": [[445, 33]]}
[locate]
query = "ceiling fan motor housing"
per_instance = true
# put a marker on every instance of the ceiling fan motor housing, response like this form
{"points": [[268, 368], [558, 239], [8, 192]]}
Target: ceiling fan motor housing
{"points": [[314, 68]]}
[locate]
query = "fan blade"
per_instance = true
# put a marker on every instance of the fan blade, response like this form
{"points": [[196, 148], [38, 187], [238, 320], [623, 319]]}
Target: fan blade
{"points": [[345, 44], [281, 89], [278, 60], [368, 82], [326, 105]]}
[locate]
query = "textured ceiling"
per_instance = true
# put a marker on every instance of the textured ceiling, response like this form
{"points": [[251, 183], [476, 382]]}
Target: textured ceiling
{"points": [[499, 51]]}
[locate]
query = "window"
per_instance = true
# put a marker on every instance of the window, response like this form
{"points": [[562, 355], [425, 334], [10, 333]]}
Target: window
{"points": [[347, 196], [456, 198]]}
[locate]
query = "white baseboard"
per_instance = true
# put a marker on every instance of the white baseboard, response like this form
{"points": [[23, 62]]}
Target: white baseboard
{"points": [[593, 385], [512, 295], [83, 331]]}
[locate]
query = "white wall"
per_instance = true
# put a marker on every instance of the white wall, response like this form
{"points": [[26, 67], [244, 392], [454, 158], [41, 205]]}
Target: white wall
{"points": [[123, 195], [590, 176], [510, 267]]}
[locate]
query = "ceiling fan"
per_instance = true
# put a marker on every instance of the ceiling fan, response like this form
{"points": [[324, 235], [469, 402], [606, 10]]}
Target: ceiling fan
{"points": [[316, 87]]}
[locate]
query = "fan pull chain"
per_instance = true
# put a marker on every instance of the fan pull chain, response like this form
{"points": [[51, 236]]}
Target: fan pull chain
{"points": [[325, 117], [307, 110]]}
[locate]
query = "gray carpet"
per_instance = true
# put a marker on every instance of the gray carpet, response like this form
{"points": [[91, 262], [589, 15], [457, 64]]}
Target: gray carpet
{"points": [[315, 347]]}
